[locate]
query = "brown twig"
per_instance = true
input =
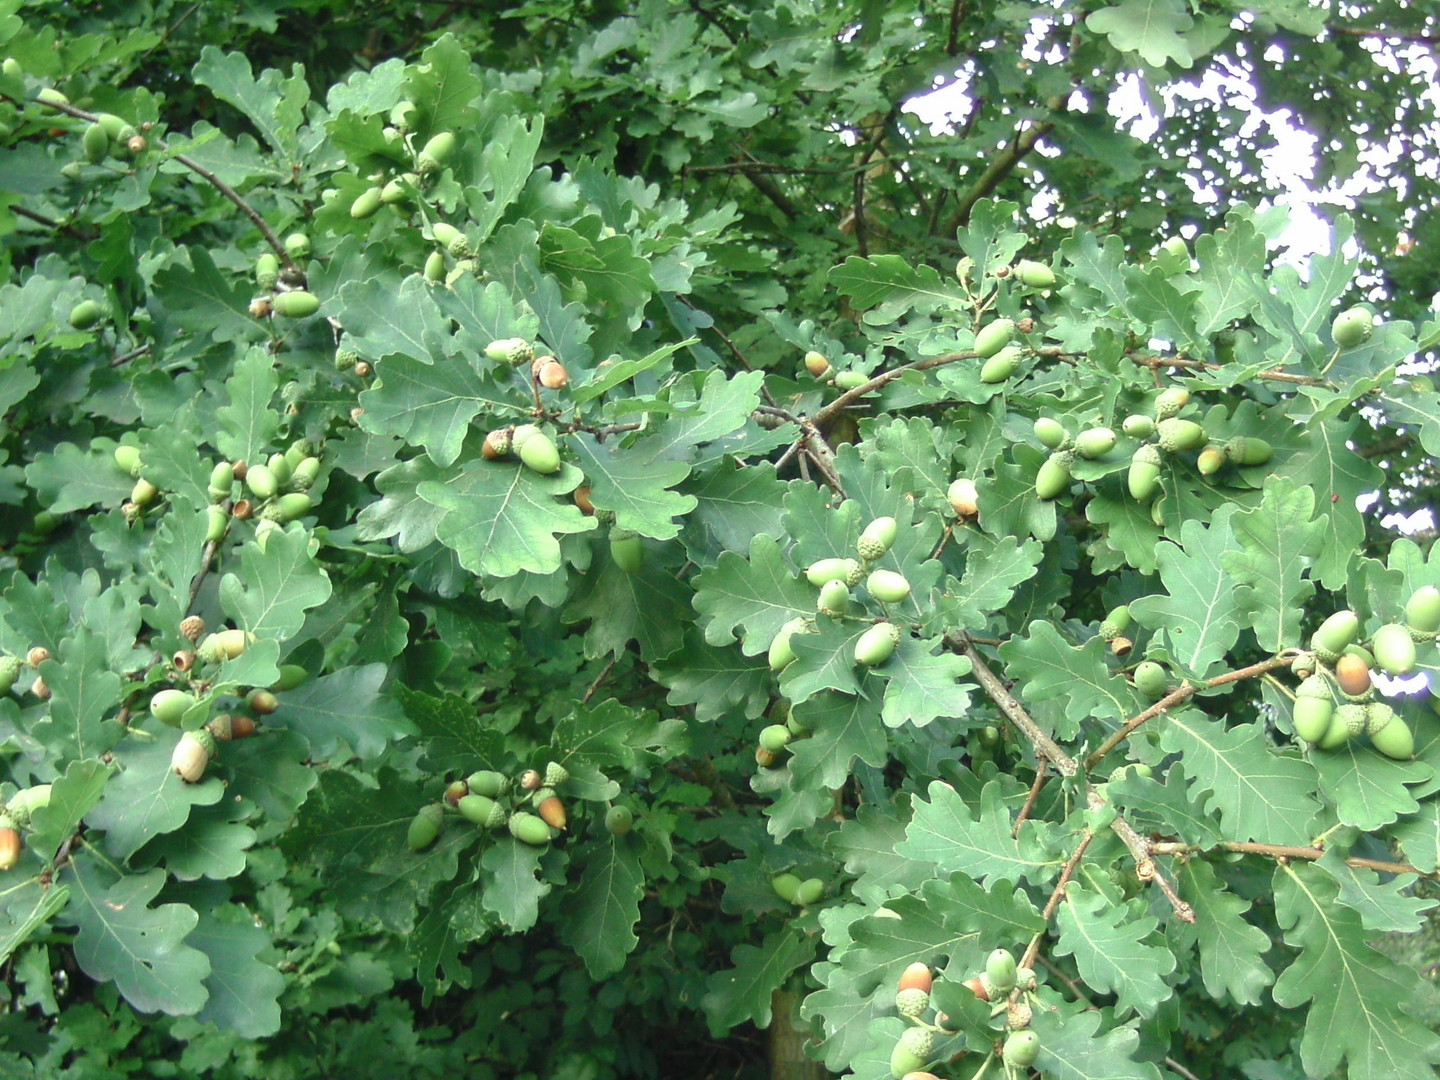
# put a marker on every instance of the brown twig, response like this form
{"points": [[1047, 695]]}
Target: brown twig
{"points": [[1046, 749], [884, 377], [1179, 1070], [598, 680], [1417, 36], [1030, 799], [1155, 363], [952, 39], [1279, 660], [1286, 851], [999, 168], [207, 559], [1056, 895], [1145, 864]]}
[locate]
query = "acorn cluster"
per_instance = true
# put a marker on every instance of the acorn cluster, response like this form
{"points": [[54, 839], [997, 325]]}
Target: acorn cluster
{"points": [[527, 805]]}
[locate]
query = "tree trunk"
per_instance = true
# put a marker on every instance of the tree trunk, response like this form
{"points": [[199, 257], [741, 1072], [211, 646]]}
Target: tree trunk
{"points": [[788, 1042]]}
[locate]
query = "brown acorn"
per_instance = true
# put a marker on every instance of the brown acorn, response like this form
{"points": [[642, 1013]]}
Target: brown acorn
{"points": [[241, 727], [978, 987], [192, 628], [582, 499], [9, 847], [764, 758], [1121, 645], [37, 656], [243, 510], [363, 368], [240, 469], [456, 791], [40, 688], [1353, 675], [263, 702], [530, 780], [183, 660], [552, 374], [552, 811], [497, 444]]}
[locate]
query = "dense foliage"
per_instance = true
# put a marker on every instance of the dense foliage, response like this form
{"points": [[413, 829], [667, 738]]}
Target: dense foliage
{"points": [[541, 541]]}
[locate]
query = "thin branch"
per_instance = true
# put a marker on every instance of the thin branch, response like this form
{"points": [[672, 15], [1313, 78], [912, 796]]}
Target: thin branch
{"points": [[1145, 865], [599, 679], [1286, 851], [771, 191], [207, 560], [1030, 799], [1282, 659], [862, 240], [1056, 895], [1417, 36], [204, 173], [743, 360], [1003, 164], [1045, 747], [1155, 363], [125, 358], [877, 381], [1179, 1070], [952, 40]]}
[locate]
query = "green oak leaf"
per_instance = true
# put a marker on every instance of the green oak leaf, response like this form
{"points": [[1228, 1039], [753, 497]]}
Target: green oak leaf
{"points": [[1114, 948], [272, 589], [603, 907], [743, 992], [244, 990]]}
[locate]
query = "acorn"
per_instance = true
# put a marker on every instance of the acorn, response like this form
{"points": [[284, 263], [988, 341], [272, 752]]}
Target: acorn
{"points": [[1143, 478], [963, 498], [192, 754], [1171, 402]]}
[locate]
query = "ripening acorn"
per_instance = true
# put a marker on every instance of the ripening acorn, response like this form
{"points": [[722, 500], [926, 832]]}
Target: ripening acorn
{"points": [[1053, 479], [887, 586], [1422, 610], [1050, 432], [1021, 1049], [1143, 478], [1000, 970], [993, 338], [816, 364], [1176, 435], [1095, 442], [1034, 274], [85, 314], [1314, 709], [10, 845], [1352, 327], [627, 549], [850, 380], [619, 820], [1353, 675], [296, 304], [535, 449], [1394, 649], [1150, 679], [192, 754], [917, 976], [1171, 402], [552, 374], [964, 498], [912, 1050], [552, 812], [1137, 426], [1002, 365], [1211, 460], [877, 644], [487, 782]]}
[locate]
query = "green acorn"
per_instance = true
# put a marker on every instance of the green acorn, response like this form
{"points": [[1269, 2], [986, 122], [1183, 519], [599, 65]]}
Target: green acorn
{"points": [[85, 314], [168, 706], [1422, 613], [394, 193], [877, 538], [1053, 479], [785, 886], [1395, 740], [261, 482], [1026, 979], [515, 351], [435, 268], [1138, 427], [1211, 460], [1339, 732], [288, 508], [291, 676], [128, 458], [96, 143], [10, 668], [1000, 970], [1353, 717], [1303, 666], [809, 891], [489, 783], [1334, 634], [824, 570], [834, 599], [1314, 709], [1151, 680], [774, 737], [912, 1051], [993, 338], [781, 654], [1244, 450], [627, 549], [555, 774], [1352, 327], [850, 380], [1116, 623], [912, 1002], [619, 820], [222, 479], [1378, 716], [1143, 478], [452, 239], [1176, 435], [217, 521], [366, 204], [436, 153], [296, 304], [192, 754], [817, 364], [50, 96], [529, 829], [425, 827], [1002, 365], [1171, 402], [1034, 274], [297, 245], [1394, 649], [1050, 432], [1021, 1049], [479, 810], [877, 644], [887, 586], [535, 449], [1095, 443], [305, 474]]}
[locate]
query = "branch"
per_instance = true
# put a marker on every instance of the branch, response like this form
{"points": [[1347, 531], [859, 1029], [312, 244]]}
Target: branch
{"points": [[195, 167], [884, 377], [1045, 747], [1154, 363], [1285, 851], [952, 41], [1001, 167], [1056, 895], [1145, 866], [1279, 660], [1417, 36], [771, 191]]}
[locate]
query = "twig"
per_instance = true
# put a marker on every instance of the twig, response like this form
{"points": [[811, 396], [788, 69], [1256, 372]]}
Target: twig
{"points": [[1056, 895], [999, 168], [125, 358], [1281, 659], [207, 559], [743, 360], [771, 191], [952, 41], [598, 680], [884, 377], [1144, 862], [1045, 747], [1180, 1070], [1417, 36], [200, 170], [1285, 851], [1030, 799], [1155, 363]]}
